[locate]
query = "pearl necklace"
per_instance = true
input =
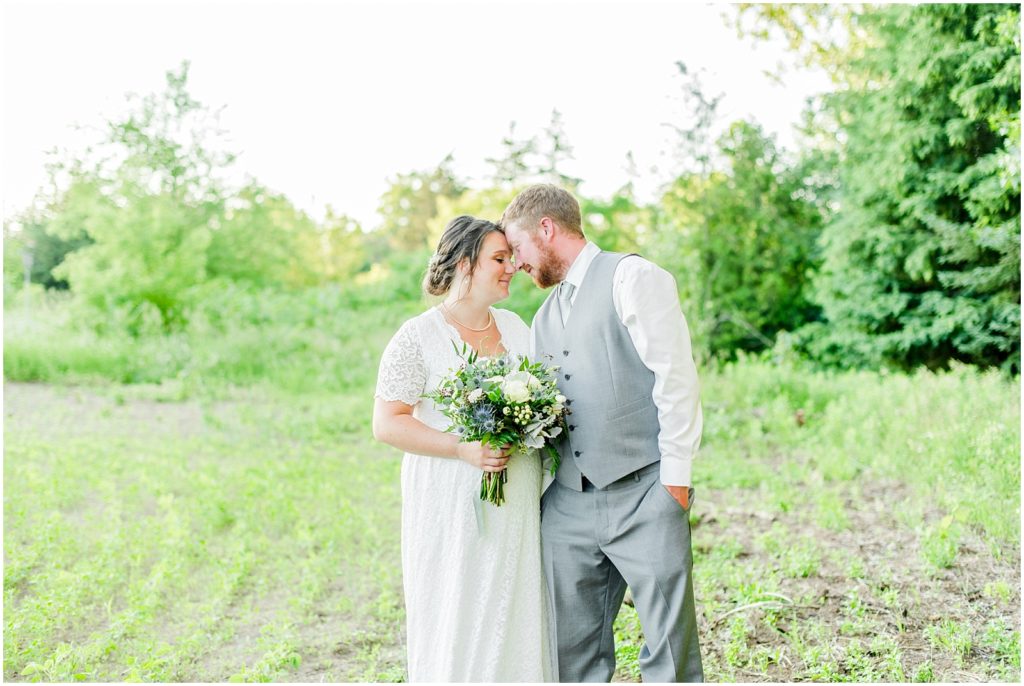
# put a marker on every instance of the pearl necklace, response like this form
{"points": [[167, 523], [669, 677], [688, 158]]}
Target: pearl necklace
{"points": [[490, 319]]}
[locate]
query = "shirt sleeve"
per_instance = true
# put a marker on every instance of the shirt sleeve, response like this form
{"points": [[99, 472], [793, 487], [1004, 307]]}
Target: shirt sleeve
{"points": [[402, 374], [647, 302]]}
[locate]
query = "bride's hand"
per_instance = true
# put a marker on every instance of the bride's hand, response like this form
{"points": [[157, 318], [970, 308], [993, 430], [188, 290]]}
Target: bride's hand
{"points": [[482, 456]]}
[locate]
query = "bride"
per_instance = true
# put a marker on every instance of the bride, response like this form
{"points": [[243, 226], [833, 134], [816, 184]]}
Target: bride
{"points": [[475, 597]]}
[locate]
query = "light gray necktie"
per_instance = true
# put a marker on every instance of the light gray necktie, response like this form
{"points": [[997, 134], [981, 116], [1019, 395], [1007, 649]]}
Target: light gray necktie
{"points": [[565, 291]]}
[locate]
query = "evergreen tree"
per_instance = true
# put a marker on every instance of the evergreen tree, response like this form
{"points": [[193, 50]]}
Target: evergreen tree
{"points": [[922, 261], [556, 152], [515, 167]]}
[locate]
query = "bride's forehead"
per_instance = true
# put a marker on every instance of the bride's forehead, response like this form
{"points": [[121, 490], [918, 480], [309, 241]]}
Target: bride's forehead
{"points": [[496, 240]]}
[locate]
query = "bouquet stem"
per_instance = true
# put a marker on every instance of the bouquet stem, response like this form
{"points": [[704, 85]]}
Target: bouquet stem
{"points": [[492, 487]]}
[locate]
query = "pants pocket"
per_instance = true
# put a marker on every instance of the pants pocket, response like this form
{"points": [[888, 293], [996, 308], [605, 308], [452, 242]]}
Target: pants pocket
{"points": [[668, 496]]}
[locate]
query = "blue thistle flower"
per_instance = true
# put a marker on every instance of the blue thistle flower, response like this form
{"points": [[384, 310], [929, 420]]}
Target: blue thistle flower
{"points": [[483, 413]]}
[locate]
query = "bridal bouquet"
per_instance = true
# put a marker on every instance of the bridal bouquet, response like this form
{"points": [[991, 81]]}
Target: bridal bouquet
{"points": [[502, 400]]}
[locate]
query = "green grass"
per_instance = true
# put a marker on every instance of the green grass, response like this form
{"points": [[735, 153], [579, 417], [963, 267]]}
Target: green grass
{"points": [[210, 507], [296, 343], [951, 637], [234, 554], [838, 537]]}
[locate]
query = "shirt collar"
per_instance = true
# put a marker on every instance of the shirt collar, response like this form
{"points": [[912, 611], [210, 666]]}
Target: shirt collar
{"points": [[581, 264]]}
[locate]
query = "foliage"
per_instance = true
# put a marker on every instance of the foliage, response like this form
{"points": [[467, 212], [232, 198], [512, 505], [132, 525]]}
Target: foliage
{"points": [[139, 229], [824, 35], [504, 400], [258, 241], [514, 166], [742, 242], [45, 250], [148, 207], [737, 228], [892, 238], [537, 159], [486, 203], [236, 335], [620, 223], [921, 264], [411, 202]]}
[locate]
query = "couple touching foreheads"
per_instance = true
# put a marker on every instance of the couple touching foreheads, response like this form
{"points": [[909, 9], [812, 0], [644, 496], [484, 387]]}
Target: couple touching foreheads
{"points": [[532, 596]]}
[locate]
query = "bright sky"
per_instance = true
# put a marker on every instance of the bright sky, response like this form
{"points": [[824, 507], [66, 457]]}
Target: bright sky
{"points": [[326, 101]]}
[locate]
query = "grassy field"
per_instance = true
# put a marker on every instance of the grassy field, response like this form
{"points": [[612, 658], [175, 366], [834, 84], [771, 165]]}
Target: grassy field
{"points": [[215, 520], [164, 541]]}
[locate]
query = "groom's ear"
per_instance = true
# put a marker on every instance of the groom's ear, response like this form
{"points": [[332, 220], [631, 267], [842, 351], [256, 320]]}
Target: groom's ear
{"points": [[547, 228]]}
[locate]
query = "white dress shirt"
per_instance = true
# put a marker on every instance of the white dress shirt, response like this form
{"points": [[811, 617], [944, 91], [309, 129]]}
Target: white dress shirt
{"points": [[647, 303]]}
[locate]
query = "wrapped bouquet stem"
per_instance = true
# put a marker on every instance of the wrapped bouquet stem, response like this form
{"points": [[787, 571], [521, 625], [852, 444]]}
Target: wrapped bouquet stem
{"points": [[505, 400]]}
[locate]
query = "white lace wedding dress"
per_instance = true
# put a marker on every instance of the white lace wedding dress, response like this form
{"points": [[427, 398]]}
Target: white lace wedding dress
{"points": [[475, 597]]}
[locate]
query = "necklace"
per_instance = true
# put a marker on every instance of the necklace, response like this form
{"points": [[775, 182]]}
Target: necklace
{"points": [[490, 317]]}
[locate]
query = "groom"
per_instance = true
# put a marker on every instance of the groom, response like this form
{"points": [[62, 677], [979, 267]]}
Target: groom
{"points": [[617, 513]]}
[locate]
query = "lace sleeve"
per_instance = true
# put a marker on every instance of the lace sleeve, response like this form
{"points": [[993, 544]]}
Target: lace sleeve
{"points": [[403, 373]]}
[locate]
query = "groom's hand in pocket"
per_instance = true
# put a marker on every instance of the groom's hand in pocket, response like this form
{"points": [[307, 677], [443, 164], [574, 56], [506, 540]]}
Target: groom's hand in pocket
{"points": [[681, 495], [482, 456]]}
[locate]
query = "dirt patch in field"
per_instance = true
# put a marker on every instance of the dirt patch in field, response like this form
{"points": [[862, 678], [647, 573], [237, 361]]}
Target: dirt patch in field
{"points": [[871, 580]]}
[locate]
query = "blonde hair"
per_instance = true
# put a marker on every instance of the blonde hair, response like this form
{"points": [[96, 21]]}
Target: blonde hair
{"points": [[545, 200]]}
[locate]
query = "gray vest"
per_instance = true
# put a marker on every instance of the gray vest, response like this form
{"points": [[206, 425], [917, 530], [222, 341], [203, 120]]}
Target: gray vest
{"points": [[613, 428]]}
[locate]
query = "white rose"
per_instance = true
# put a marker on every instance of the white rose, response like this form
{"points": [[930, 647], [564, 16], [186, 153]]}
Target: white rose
{"points": [[516, 391], [560, 399], [476, 394], [516, 387]]}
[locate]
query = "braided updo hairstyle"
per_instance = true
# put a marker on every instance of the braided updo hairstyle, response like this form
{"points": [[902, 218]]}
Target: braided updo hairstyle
{"points": [[462, 238]]}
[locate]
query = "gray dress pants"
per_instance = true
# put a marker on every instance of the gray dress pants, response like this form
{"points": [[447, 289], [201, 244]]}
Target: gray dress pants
{"points": [[597, 542]]}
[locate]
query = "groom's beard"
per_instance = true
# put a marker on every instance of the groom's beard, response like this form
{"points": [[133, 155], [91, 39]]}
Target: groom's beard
{"points": [[551, 268]]}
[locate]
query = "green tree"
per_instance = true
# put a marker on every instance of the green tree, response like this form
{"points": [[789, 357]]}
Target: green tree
{"points": [[264, 240], [746, 241], [148, 206], [410, 203], [556, 151], [738, 228], [486, 203], [538, 159], [44, 249], [827, 36], [516, 166], [922, 260], [341, 248], [620, 223]]}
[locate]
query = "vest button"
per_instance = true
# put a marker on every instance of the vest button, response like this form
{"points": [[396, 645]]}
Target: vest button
{"points": [[566, 353], [568, 376], [572, 427], [578, 453]]}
